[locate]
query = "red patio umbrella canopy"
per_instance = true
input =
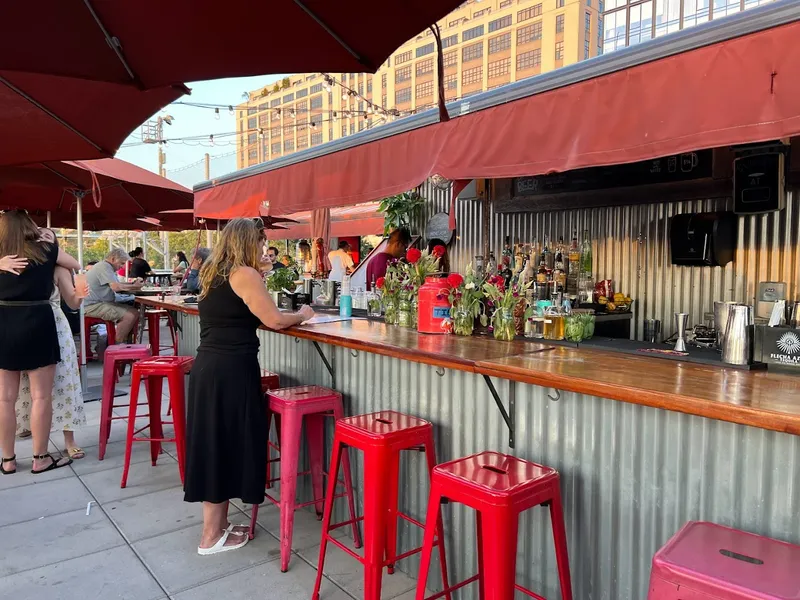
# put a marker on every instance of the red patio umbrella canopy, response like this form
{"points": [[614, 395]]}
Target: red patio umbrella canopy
{"points": [[47, 118], [109, 40]]}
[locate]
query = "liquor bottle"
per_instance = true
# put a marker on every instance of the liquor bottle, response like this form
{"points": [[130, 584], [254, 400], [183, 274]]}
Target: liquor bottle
{"points": [[586, 254], [519, 259], [574, 258], [491, 265], [507, 255], [541, 275], [559, 270], [547, 255]]}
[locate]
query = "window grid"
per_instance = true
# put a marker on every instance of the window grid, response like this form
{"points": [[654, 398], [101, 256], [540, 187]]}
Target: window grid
{"points": [[529, 13], [316, 138], [472, 52], [500, 23], [288, 98], [471, 34], [586, 51], [302, 141], [559, 3], [403, 74], [450, 59], [424, 67], [288, 145], [251, 138], [425, 50], [423, 90], [315, 89], [251, 122], [403, 95], [470, 76], [402, 58], [560, 24], [505, 3], [450, 40], [302, 93], [316, 102], [499, 67], [252, 154], [587, 22], [529, 33], [559, 50], [276, 148], [500, 43], [275, 102], [451, 82], [529, 60]]}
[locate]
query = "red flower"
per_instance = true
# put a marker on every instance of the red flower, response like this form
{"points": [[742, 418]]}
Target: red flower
{"points": [[438, 251], [454, 279], [381, 281], [413, 255]]}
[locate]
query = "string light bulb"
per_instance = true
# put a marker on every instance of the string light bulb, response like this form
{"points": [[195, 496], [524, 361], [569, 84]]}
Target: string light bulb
{"points": [[334, 116], [230, 109], [211, 139], [344, 95], [216, 114]]}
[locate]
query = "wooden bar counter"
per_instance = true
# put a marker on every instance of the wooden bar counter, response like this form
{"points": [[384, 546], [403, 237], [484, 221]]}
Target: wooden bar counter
{"points": [[755, 398]]}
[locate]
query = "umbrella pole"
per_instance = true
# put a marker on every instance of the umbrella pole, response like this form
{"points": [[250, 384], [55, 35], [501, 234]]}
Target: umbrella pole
{"points": [[49, 219], [79, 218]]}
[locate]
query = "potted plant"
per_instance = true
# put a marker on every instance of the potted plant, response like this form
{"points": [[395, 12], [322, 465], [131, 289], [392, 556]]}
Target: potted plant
{"points": [[466, 300], [399, 210], [281, 280]]}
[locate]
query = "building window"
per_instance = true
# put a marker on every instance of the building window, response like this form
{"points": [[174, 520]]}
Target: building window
{"points": [[251, 122], [423, 90], [276, 148], [252, 110], [302, 141], [302, 108], [505, 3], [587, 22], [263, 107], [275, 131], [316, 102], [316, 120], [450, 40], [451, 82], [529, 33], [302, 93], [454, 23], [252, 154], [500, 23], [500, 43], [640, 28], [472, 52], [288, 131], [361, 106], [615, 25], [315, 89], [251, 138], [499, 67], [450, 59], [275, 102], [425, 50], [403, 74], [383, 100], [383, 82], [529, 13], [316, 138], [529, 60], [288, 145], [403, 95], [560, 24], [353, 126], [424, 67], [559, 3], [301, 127], [480, 13], [288, 98], [344, 130], [586, 50], [559, 50], [402, 58], [471, 34], [470, 76], [369, 86]]}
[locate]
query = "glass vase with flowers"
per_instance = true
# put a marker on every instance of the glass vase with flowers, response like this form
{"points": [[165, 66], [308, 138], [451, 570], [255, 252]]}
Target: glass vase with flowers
{"points": [[503, 299], [417, 267], [390, 287], [466, 299]]}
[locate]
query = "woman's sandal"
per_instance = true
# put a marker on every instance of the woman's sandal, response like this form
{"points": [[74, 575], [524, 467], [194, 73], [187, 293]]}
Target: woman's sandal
{"points": [[220, 545], [56, 464], [76, 453], [5, 460]]}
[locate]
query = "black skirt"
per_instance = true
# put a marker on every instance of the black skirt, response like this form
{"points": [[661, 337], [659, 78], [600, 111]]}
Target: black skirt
{"points": [[226, 430], [28, 338]]}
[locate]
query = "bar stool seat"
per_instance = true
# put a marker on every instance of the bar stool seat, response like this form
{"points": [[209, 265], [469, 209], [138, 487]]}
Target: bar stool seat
{"points": [[152, 325], [111, 334], [706, 561], [499, 487], [153, 371], [290, 407], [381, 436]]}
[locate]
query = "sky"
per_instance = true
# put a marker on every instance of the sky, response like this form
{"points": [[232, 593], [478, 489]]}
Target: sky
{"points": [[191, 121]]}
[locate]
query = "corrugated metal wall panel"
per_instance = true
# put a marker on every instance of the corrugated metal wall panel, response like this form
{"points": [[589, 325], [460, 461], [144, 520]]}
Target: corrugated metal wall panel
{"points": [[631, 475]]}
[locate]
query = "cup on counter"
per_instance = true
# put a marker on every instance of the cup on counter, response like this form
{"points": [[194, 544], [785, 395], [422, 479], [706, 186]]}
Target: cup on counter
{"points": [[652, 331]]}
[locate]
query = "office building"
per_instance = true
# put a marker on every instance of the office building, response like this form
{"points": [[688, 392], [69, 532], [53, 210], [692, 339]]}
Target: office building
{"points": [[485, 44]]}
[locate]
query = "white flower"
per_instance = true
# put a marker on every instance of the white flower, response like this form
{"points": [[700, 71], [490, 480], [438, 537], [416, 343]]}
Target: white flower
{"points": [[470, 286]]}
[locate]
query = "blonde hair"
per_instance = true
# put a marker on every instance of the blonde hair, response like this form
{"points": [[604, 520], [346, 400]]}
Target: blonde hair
{"points": [[240, 245]]}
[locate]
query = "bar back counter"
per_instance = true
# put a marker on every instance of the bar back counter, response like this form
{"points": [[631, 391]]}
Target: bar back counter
{"points": [[641, 447]]}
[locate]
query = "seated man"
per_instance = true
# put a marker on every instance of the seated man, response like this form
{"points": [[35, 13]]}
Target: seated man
{"points": [[103, 287], [192, 283]]}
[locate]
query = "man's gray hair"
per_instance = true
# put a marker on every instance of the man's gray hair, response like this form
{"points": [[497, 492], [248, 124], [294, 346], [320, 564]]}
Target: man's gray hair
{"points": [[119, 254], [202, 254]]}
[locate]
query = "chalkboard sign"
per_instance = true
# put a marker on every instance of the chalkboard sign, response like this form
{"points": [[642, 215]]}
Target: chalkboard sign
{"points": [[439, 228], [680, 167]]}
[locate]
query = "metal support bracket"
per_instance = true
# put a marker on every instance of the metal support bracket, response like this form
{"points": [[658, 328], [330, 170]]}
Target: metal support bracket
{"points": [[328, 365], [510, 414]]}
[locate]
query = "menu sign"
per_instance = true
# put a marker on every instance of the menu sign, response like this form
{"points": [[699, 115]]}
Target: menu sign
{"points": [[779, 346], [669, 169]]}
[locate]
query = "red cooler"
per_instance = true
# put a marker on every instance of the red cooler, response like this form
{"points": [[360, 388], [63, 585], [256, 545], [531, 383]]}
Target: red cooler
{"points": [[433, 306]]}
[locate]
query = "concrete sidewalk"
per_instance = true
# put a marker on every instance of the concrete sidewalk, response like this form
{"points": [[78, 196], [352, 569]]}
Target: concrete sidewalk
{"points": [[140, 543]]}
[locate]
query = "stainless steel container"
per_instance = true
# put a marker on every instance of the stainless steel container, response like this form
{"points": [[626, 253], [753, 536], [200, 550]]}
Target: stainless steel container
{"points": [[737, 348], [652, 331], [681, 321], [793, 314], [327, 292], [721, 310]]}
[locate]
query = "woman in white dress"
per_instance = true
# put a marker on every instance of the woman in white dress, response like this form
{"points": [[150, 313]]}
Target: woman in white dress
{"points": [[68, 411]]}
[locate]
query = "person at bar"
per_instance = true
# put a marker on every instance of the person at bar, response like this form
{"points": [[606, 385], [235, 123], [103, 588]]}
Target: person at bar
{"points": [[341, 262], [226, 429], [444, 259], [103, 287], [272, 255], [396, 248], [192, 283], [139, 267]]}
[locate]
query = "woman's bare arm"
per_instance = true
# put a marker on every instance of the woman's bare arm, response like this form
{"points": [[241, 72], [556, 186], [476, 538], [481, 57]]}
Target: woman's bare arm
{"points": [[67, 288], [248, 285], [64, 259]]}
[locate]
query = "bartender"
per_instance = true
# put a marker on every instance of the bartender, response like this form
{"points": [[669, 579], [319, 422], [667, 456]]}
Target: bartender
{"points": [[341, 262], [396, 248]]}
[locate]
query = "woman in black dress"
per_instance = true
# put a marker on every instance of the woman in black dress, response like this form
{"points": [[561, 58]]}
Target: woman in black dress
{"points": [[28, 335], [226, 432]]}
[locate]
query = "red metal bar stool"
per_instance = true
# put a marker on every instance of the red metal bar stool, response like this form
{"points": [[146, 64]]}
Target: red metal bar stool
{"points": [[269, 381], [499, 487], [153, 371], [111, 334], [381, 437], [152, 325], [705, 561], [290, 407], [115, 356]]}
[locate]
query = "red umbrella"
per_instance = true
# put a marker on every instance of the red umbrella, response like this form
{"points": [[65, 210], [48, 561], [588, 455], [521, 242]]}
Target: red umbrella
{"points": [[46, 118], [152, 43]]}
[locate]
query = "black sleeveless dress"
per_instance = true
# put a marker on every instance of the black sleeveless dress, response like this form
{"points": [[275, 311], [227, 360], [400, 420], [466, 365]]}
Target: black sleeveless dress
{"points": [[226, 429], [28, 334]]}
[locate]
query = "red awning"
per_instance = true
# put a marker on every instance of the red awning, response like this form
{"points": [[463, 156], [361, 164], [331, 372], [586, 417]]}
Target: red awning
{"points": [[741, 90], [363, 219]]}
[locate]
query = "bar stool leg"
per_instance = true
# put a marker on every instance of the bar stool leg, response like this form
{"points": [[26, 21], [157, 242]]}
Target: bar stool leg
{"points": [[153, 333], [136, 381], [430, 455], [290, 451], [333, 475], [376, 507], [434, 511], [560, 541], [155, 386], [338, 413], [479, 537], [315, 433], [499, 538], [269, 448], [106, 401], [177, 401], [393, 476]]}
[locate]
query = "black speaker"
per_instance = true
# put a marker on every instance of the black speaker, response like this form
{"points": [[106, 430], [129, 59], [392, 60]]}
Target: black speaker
{"points": [[759, 182], [703, 239]]}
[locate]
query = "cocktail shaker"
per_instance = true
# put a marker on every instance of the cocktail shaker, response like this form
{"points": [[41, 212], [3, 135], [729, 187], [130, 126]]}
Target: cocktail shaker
{"points": [[721, 310], [681, 321], [737, 349]]}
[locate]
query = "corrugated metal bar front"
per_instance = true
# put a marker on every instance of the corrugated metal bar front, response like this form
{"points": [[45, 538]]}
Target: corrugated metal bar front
{"points": [[631, 475]]}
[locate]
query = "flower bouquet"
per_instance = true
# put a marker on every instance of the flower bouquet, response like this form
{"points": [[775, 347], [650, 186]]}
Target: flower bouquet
{"points": [[466, 300], [390, 287], [418, 266], [504, 301]]}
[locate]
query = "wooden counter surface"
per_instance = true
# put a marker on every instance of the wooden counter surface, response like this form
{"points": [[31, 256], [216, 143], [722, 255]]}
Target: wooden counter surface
{"points": [[755, 398]]}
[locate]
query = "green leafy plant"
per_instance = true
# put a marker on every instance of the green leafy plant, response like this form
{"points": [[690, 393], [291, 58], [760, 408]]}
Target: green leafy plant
{"points": [[281, 279], [399, 210], [285, 82]]}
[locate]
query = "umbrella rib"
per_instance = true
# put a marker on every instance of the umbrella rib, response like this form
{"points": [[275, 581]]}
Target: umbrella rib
{"points": [[333, 34], [60, 174], [115, 45], [124, 189], [53, 116]]}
